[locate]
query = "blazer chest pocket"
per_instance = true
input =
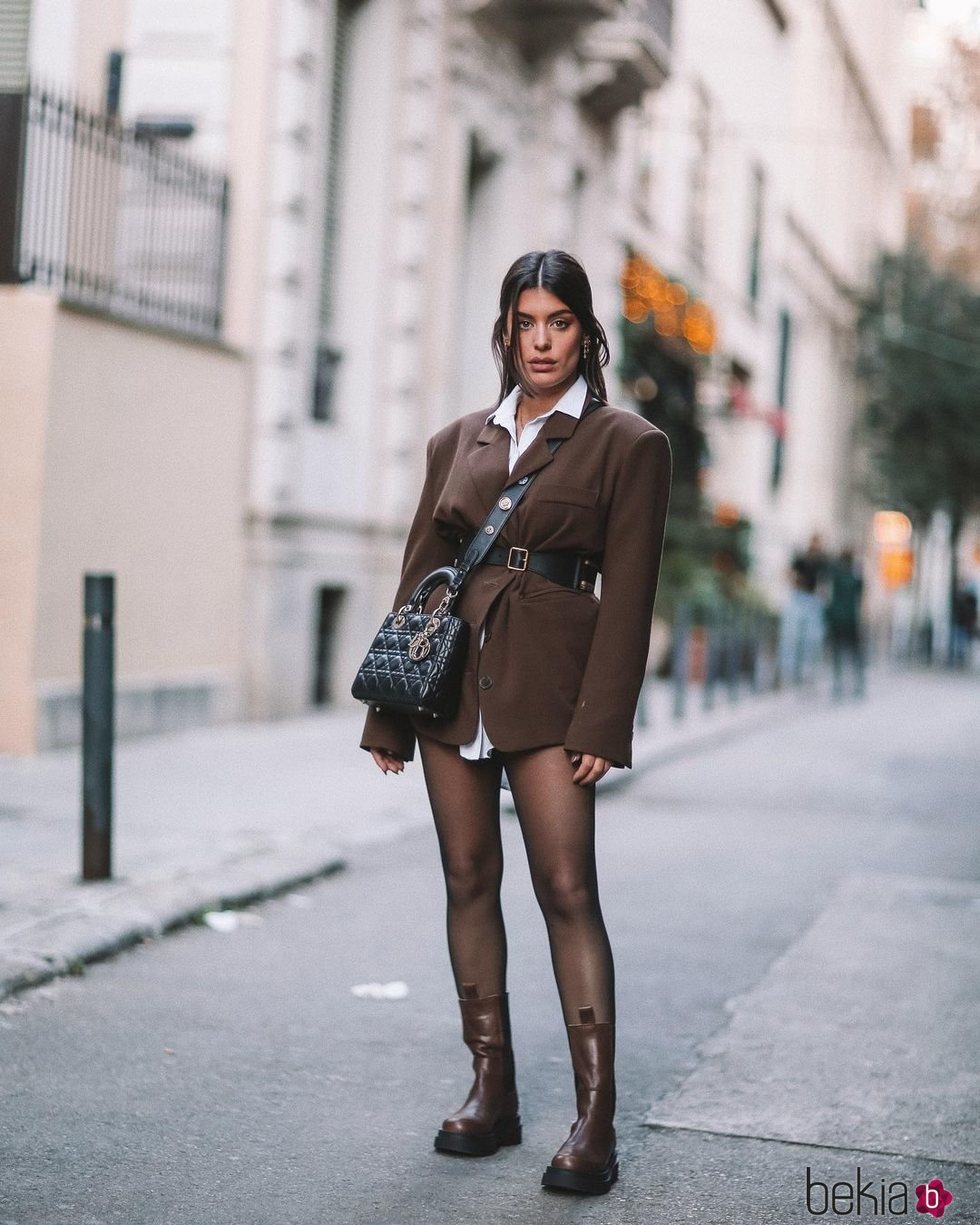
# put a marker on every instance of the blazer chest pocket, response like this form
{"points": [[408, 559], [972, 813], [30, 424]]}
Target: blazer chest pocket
{"points": [[571, 495]]}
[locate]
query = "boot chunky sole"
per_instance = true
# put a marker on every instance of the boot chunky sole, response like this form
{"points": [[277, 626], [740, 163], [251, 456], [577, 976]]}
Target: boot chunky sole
{"points": [[484, 1144], [580, 1181]]}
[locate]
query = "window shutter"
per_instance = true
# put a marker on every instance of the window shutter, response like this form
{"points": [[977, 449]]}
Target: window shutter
{"points": [[15, 24]]}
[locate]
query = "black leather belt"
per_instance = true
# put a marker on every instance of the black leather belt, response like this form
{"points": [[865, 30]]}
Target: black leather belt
{"points": [[562, 566]]}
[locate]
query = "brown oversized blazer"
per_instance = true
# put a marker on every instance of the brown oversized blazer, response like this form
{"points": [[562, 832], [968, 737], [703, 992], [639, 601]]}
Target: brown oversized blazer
{"points": [[558, 666]]}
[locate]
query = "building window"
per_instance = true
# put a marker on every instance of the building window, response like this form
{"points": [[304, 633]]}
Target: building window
{"points": [[782, 386], [324, 382], [15, 31], [697, 216], [341, 71], [113, 81], [339, 87], [579, 181], [757, 205], [486, 210], [328, 601]]}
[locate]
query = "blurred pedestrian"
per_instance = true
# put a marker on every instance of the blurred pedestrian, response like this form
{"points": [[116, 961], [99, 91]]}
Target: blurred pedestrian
{"points": [[964, 625], [550, 690], [843, 618], [801, 626]]}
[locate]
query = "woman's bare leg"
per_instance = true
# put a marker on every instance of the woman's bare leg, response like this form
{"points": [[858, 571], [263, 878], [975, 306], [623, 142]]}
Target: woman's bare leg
{"points": [[465, 799], [557, 820]]}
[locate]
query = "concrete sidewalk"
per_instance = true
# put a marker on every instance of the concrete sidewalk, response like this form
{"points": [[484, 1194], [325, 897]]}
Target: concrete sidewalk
{"points": [[222, 816]]}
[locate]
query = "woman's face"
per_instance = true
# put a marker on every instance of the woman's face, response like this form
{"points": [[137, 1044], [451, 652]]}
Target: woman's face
{"points": [[549, 341]]}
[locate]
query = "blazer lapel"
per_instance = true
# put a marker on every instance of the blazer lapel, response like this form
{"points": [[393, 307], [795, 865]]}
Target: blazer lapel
{"points": [[488, 462], [558, 425]]}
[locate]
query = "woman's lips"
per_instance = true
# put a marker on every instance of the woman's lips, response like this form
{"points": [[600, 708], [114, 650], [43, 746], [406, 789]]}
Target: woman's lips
{"points": [[542, 365]]}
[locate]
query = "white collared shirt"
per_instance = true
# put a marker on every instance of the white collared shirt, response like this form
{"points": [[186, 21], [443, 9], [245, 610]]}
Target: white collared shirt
{"points": [[573, 403]]}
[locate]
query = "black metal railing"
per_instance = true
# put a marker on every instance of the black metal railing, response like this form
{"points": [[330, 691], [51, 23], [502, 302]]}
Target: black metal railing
{"points": [[660, 15], [110, 219]]}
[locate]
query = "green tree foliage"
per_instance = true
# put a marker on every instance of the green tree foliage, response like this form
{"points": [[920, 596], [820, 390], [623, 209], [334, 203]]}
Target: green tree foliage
{"points": [[919, 360]]}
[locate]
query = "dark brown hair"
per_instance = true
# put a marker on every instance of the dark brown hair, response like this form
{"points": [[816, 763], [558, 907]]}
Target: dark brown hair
{"points": [[564, 276]]}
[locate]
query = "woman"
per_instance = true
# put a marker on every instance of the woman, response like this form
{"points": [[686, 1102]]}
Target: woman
{"points": [[550, 689]]}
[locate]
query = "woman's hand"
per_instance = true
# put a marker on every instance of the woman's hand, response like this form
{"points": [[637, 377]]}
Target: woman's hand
{"points": [[386, 761], [589, 768]]}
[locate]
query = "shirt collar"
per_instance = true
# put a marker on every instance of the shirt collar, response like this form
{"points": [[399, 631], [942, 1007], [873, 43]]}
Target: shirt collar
{"points": [[572, 402]]}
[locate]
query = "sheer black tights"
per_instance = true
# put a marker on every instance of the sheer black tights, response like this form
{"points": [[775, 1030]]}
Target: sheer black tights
{"points": [[557, 819], [465, 799]]}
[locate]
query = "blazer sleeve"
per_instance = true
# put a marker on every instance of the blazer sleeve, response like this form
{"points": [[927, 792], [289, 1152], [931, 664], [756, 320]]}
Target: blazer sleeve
{"points": [[614, 673], [425, 550]]}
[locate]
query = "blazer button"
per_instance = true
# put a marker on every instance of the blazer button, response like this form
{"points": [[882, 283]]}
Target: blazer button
{"points": [[486, 682]]}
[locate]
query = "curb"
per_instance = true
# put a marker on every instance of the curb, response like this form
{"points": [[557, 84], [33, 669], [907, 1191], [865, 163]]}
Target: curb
{"points": [[80, 935]]}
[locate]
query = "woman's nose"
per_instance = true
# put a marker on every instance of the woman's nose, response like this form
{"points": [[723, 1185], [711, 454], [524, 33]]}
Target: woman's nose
{"points": [[541, 339]]}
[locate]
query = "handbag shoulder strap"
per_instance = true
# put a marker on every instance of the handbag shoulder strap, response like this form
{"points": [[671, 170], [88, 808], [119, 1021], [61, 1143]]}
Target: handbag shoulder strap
{"points": [[503, 507], [486, 535]]}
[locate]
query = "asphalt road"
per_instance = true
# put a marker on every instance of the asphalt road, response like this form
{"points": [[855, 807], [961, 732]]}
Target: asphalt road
{"points": [[235, 1078]]}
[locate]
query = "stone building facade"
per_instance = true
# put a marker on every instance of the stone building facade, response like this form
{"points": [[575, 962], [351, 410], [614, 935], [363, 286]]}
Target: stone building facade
{"points": [[387, 160]]}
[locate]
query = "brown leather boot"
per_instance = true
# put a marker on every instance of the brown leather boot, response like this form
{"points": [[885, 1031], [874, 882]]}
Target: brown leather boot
{"points": [[588, 1162], [488, 1117]]}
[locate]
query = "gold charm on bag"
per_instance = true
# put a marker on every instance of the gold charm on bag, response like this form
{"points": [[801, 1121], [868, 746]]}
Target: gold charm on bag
{"points": [[421, 644], [418, 648]]}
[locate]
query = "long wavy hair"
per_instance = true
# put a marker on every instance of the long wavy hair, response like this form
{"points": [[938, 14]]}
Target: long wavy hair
{"points": [[564, 276]]}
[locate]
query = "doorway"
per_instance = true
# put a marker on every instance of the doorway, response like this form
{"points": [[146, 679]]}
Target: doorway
{"points": [[328, 601]]}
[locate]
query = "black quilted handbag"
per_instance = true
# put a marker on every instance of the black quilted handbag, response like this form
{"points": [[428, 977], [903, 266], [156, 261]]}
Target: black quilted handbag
{"points": [[416, 661]]}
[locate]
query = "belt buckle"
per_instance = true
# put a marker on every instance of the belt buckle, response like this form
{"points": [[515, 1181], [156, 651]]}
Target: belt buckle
{"points": [[521, 564]]}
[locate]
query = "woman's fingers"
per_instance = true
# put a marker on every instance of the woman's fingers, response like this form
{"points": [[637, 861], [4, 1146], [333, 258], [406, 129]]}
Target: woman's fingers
{"points": [[589, 768], [597, 770], [387, 761], [586, 763]]}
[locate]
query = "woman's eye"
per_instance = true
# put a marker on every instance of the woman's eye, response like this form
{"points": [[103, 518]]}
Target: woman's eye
{"points": [[561, 324]]}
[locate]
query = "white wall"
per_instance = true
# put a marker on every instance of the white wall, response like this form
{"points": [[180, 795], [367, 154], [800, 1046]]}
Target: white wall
{"points": [[179, 63]]}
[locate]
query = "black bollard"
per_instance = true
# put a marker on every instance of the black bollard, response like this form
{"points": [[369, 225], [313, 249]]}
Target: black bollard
{"points": [[98, 701]]}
